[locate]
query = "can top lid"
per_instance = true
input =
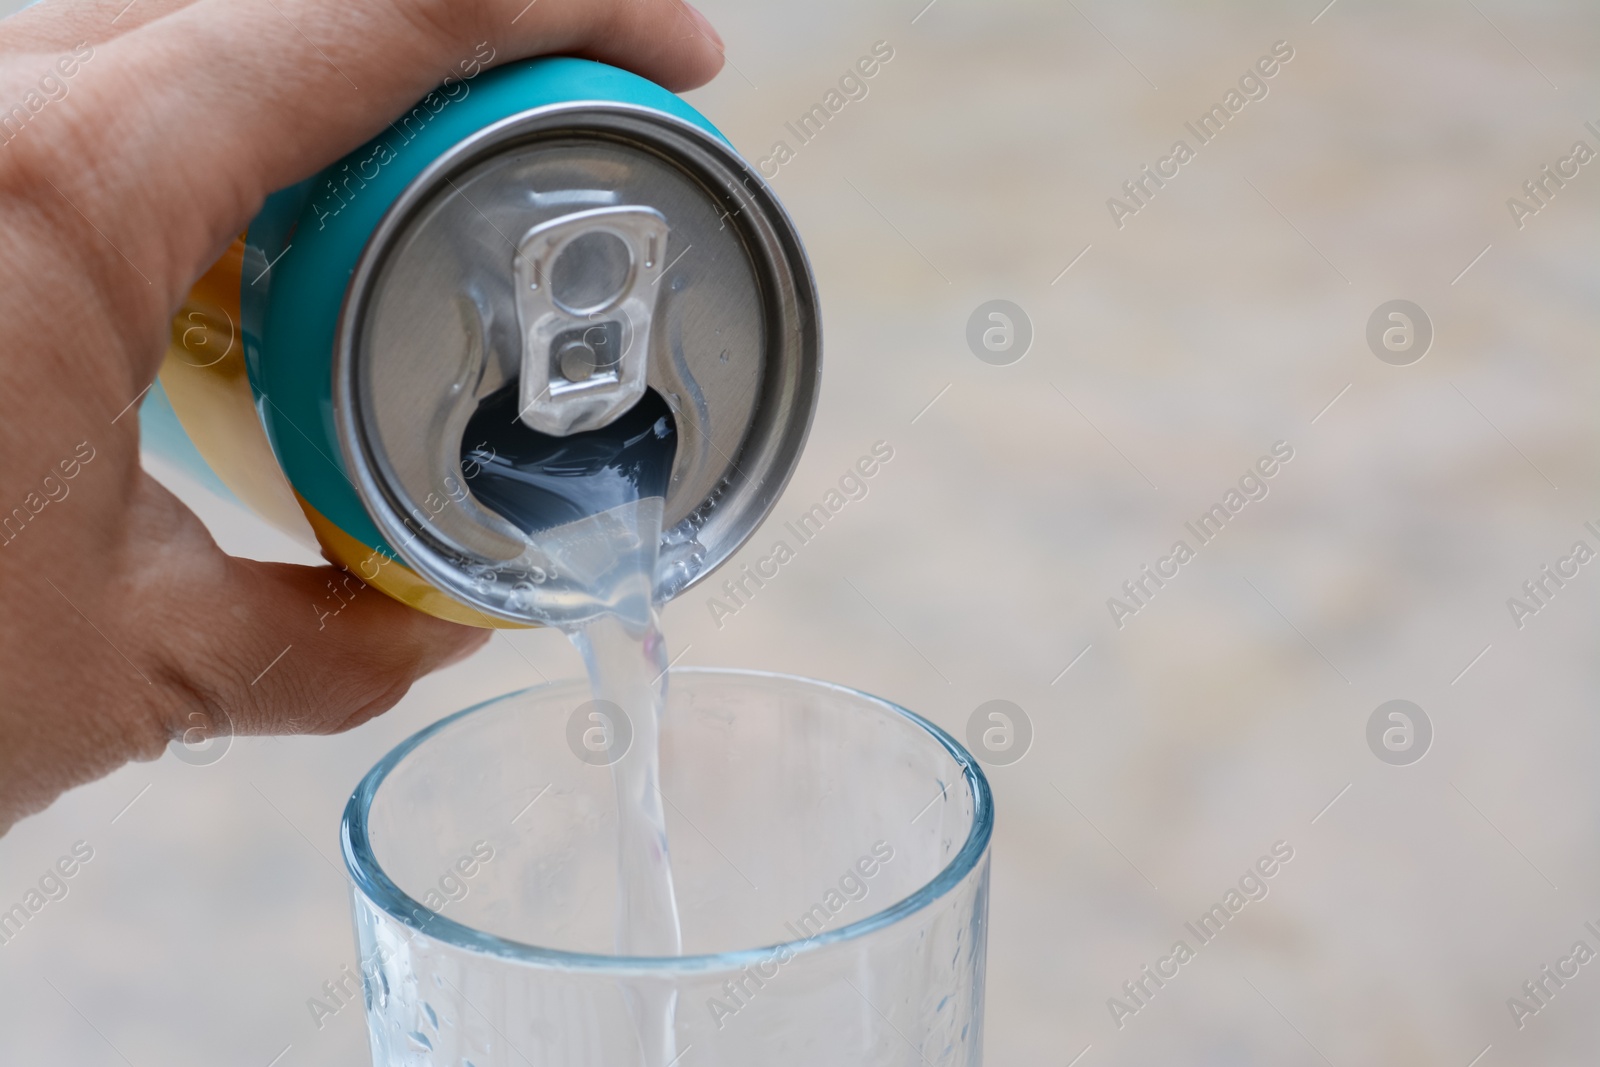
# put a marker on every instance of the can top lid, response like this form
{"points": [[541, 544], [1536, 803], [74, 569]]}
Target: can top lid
{"points": [[577, 254]]}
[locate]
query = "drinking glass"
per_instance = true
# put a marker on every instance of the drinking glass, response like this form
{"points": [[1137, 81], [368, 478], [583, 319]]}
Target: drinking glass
{"points": [[830, 853]]}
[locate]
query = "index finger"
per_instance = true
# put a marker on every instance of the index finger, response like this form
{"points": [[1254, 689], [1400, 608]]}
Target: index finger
{"points": [[57, 25], [195, 117]]}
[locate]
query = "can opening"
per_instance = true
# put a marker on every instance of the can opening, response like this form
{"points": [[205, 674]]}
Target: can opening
{"points": [[537, 481]]}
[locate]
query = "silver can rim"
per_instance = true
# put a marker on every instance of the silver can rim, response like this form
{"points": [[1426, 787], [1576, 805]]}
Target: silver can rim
{"points": [[798, 316]]}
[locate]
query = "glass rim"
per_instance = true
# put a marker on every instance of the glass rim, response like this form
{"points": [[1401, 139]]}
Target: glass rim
{"points": [[373, 882]]}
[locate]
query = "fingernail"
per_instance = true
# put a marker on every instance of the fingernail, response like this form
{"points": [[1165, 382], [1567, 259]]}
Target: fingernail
{"points": [[705, 26]]}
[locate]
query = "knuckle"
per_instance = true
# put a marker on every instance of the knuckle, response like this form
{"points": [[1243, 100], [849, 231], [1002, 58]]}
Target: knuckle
{"points": [[374, 701], [444, 24]]}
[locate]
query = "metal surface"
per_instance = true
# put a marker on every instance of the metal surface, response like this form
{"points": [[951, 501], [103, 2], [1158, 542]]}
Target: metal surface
{"points": [[585, 289], [433, 322]]}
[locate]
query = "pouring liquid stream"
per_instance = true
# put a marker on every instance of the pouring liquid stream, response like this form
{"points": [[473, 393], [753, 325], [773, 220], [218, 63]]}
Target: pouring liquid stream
{"points": [[627, 664], [606, 490]]}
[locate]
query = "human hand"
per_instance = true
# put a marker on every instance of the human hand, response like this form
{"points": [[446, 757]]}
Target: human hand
{"points": [[136, 141]]}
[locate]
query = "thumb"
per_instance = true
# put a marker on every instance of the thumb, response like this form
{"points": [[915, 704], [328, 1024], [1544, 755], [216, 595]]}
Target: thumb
{"points": [[292, 649], [261, 93], [349, 652], [129, 627]]}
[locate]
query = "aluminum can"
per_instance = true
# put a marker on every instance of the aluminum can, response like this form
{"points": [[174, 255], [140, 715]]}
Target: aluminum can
{"points": [[555, 230]]}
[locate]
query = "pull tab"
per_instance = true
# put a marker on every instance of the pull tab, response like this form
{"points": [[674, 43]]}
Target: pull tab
{"points": [[586, 290]]}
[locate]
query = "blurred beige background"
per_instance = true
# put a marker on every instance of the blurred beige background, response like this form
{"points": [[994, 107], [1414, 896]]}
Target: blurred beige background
{"points": [[1225, 716]]}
